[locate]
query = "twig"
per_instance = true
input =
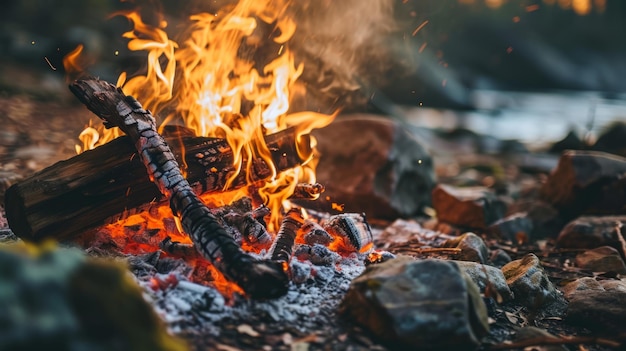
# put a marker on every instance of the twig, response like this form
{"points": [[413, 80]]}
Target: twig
{"points": [[552, 340]]}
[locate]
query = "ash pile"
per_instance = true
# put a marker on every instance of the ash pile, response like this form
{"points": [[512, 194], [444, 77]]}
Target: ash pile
{"points": [[322, 255]]}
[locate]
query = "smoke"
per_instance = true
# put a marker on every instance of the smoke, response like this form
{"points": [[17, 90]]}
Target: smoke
{"points": [[345, 47]]}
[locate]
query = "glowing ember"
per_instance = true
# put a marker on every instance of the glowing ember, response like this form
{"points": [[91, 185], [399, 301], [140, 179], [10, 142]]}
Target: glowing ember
{"points": [[217, 81]]}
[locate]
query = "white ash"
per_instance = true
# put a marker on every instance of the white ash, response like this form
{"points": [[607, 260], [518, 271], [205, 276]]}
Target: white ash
{"points": [[310, 304]]}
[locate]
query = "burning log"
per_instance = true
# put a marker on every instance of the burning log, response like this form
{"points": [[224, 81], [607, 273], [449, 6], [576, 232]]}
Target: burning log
{"points": [[258, 278], [106, 184], [283, 245], [305, 191]]}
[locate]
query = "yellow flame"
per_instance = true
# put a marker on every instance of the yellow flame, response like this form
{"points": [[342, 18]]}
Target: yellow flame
{"points": [[220, 79]]}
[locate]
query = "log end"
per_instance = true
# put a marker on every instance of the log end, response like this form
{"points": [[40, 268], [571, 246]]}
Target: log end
{"points": [[263, 280], [16, 214]]}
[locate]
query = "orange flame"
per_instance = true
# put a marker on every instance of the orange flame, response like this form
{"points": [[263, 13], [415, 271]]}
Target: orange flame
{"points": [[221, 80]]}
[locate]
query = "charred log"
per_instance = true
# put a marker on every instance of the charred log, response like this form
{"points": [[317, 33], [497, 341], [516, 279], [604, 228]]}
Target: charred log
{"points": [[109, 183], [282, 248], [306, 191], [259, 279]]}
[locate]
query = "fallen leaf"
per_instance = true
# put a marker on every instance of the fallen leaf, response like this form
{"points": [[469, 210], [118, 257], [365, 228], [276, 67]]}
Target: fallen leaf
{"points": [[246, 329], [223, 347], [300, 346]]}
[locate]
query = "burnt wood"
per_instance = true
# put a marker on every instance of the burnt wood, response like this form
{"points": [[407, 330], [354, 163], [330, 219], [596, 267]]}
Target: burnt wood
{"points": [[258, 278], [109, 183]]}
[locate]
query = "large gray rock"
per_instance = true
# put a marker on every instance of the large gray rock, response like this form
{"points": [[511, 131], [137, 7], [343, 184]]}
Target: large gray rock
{"points": [[426, 305], [373, 165], [529, 282]]}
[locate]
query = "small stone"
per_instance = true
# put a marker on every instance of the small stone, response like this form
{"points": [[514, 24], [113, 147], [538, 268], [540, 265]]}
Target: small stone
{"points": [[590, 232], [581, 183], [472, 207], [512, 228], [581, 284], [488, 279], [613, 139], [529, 282], [614, 285], [472, 247], [499, 258], [570, 142], [601, 259], [425, 304], [602, 311], [378, 257]]}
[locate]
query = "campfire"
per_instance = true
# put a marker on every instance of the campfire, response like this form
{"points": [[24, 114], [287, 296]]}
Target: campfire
{"points": [[226, 138], [251, 221]]}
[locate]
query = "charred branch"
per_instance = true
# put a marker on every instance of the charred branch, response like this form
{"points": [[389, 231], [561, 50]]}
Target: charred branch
{"points": [[283, 245], [259, 279], [305, 191]]}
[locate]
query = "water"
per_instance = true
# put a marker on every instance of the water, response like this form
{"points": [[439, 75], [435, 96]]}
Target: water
{"points": [[532, 118]]}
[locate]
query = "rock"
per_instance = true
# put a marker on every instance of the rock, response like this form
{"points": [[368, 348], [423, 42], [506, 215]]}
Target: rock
{"points": [[614, 285], [487, 276], [587, 182], [601, 259], [570, 142], [378, 256], [589, 232], [581, 284], [512, 228], [472, 247], [601, 311], [499, 258], [546, 219], [59, 299], [373, 165], [472, 207], [529, 282], [613, 139], [421, 305], [399, 232]]}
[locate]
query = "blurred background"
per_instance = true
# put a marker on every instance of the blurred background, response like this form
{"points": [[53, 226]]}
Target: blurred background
{"points": [[489, 65]]}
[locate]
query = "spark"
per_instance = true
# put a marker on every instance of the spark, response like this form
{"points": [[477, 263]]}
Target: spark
{"points": [[419, 27], [50, 63], [422, 47], [531, 8]]}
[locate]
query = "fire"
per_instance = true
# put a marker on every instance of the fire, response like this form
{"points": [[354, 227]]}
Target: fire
{"points": [[231, 75], [219, 80]]}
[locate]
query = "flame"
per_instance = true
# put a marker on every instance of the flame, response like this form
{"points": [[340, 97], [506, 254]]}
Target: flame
{"points": [[231, 75], [220, 81]]}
